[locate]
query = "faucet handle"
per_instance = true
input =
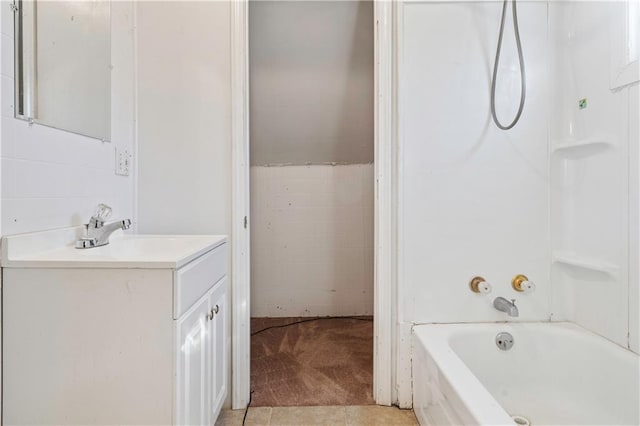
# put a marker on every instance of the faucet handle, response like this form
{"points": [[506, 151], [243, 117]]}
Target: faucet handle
{"points": [[103, 212], [522, 284], [480, 285]]}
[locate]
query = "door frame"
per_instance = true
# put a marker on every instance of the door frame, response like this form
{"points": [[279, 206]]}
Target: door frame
{"points": [[240, 229], [385, 221]]}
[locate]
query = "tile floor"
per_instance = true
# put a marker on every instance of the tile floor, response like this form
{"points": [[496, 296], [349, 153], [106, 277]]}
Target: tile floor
{"points": [[367, 415]]}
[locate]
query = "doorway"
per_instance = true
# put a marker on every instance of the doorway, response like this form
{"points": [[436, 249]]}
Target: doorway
{"points": [[311, 84], [384, 218]]}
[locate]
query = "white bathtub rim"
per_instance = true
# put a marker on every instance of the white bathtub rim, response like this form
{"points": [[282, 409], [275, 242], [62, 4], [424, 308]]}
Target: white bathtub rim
{"points": [[567, 325]]}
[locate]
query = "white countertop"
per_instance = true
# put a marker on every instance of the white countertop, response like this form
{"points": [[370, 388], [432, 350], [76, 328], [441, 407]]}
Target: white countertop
{"points": [[56, 249]]}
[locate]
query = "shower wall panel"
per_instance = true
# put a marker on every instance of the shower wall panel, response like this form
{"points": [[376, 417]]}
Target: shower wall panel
{"points": [[594, 157], [474, 200], [634, 222]]}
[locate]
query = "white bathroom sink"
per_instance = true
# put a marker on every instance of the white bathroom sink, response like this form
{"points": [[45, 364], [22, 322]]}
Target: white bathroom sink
{"points": [[56, 249]]}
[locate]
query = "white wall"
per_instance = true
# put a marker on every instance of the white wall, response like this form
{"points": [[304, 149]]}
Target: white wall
{"points": [[51, 178], [311, 83], [311, 76], [473, 198], [184, 124], [312, 240], [591, 184]]}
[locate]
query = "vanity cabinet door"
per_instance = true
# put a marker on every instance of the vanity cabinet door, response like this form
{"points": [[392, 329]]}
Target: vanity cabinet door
{"points": [[219, 346], [194, 369]]}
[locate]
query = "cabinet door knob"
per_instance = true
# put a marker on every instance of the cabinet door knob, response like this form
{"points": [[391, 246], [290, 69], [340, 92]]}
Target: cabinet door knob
{"points": [[217, 308], [210, 315]]}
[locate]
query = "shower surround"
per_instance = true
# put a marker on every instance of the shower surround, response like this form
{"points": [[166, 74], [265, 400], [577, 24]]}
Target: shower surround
{"points": [[555, 198]]}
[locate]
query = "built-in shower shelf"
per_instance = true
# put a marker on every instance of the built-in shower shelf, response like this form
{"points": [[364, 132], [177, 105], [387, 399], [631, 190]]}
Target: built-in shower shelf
{"points": [[591, 264], [582, 147]]}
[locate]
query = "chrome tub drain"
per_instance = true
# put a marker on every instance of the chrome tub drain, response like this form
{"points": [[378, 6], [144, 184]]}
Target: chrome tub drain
{"points": [[504, 341], [521, 420]]}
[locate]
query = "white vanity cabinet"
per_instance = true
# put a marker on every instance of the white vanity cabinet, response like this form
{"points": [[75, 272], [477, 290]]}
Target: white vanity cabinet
{"points": [[135, 332], [194, 365], [221, 336], [201, 367]]}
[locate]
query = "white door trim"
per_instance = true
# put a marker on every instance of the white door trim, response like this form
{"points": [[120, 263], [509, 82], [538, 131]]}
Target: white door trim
{"points": [[385, 286], [385, 294], [240, 234]]}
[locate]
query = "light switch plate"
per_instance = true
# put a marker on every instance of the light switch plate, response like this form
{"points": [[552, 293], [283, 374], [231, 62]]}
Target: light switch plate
{"points": [[123, 161]]}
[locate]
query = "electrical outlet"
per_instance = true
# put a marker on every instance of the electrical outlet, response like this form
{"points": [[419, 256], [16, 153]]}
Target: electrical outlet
{"points": [[123, 162]]}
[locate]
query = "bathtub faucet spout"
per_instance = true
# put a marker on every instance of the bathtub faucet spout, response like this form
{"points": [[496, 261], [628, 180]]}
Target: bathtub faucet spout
{"points": [[508, 306]]}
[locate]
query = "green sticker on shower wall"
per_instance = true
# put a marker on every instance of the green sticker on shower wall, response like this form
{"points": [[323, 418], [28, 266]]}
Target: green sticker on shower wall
{"points": [[582, 103]]}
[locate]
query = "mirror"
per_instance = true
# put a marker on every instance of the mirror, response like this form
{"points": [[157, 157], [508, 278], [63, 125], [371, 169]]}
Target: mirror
{"points": [[63, 65]]}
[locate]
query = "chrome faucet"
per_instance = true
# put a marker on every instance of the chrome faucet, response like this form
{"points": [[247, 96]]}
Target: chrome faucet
{"points": [[508, 306], [97, 233]]}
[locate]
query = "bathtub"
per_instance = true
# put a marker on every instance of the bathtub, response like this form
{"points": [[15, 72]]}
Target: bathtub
{"points": [[555, 374]]}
